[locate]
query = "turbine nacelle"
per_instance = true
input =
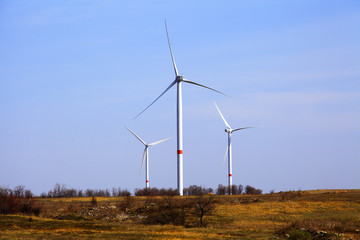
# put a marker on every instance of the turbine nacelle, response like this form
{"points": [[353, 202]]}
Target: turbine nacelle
{"points": [[228, 130], [179, 78]]}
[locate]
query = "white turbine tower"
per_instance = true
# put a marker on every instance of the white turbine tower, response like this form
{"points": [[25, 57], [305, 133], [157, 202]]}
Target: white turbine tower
{"points": [[146, 154], [228, 152], [178, 80]]}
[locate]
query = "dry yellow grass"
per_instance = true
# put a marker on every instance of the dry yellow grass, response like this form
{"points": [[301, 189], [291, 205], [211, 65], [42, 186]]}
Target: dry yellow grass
{"points": [[235, 217], [265, 216]]}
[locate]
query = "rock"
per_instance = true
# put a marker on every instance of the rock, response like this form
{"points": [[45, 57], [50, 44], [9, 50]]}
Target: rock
{"points": [[122, 216]]}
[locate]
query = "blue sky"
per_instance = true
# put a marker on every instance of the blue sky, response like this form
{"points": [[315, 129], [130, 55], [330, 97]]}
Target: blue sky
{"points": [[74, 73]]}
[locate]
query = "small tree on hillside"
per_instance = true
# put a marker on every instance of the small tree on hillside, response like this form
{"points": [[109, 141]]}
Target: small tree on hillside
{"points": [[252, 191], [19, 191], [203, 205], [221, 190]]}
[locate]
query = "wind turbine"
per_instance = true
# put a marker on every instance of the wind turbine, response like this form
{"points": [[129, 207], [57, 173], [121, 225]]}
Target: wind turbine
{"points": [[228, 152], [178, 81], [146, 154]]}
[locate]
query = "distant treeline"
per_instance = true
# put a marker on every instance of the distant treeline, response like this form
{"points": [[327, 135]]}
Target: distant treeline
{"points": [[18, 191], [61, 191], [17, 200]]}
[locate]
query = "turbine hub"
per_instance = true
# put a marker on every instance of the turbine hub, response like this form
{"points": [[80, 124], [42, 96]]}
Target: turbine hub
{"points": [[179, 78], [227, 130]]}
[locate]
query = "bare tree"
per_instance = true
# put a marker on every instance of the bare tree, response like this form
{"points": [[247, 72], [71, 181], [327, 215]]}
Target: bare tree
{"points": [[252, 191], [203, 205], [28, 194], [4, 191], [197, 190], [19, 191], [221, 190]]}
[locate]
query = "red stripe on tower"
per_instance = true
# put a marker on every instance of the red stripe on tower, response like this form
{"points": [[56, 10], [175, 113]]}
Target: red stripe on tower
{"points": [[147, 180], [230, 175], [179, 151]]}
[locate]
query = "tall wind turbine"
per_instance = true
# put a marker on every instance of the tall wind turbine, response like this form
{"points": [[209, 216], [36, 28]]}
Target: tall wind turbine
{"points": [[146, 154], [228, 152], [178, 80]]}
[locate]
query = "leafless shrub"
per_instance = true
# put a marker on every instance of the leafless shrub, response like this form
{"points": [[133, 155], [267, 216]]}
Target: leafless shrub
{"points": [[221, 190], [168, 210], [288, 195], [235, 190], [155, 192], [130, 204], [117, 192], [80, 193], [19, 191], [195, 190], [203, 204], [28, 194], [4, 191], [9, 204], [252, 191], [318, 229], [60, 191], [93, 201], [27, 207]]}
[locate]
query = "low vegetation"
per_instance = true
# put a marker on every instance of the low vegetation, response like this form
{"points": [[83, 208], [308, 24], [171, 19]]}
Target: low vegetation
{"points": [[284, 215]]}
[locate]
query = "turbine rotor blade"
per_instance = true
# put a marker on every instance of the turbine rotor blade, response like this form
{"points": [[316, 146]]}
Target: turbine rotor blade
{"points": [[172, 84], [137, 136], [154, 143], [226, 123], [227, 149], [142, 162], [237, 129], [172, 57], [185, 80]]}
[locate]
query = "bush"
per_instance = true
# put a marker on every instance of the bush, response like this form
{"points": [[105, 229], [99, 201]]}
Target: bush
{"points": [[330, 228], [27, 207], [9, 205], [299, 235], [93, 201], [289, 195], [4, 191], [12, 205], [194, 190], [155, 192], [235, 190], [18, 191], [117, 192], [166, 211], [60, 191], [221, 190], [252, 191], [130, 204]]}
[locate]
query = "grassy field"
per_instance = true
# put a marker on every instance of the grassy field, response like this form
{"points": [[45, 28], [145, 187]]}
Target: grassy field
{"points": [[316, 214]]}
